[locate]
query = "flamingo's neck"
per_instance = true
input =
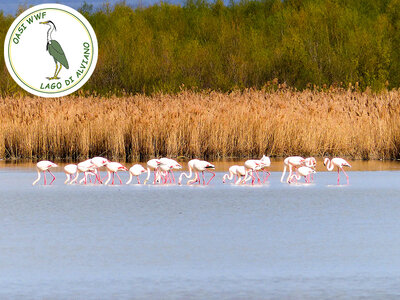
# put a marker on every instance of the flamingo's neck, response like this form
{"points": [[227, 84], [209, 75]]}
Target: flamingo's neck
{"points": [[148, 176], [195, 179], [329, 165], [130, 178], [186, 175], [283, 173], [108, 177]]}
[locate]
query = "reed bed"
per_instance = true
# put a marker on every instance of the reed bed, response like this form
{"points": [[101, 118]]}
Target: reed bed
{"points": [[208, 125]]}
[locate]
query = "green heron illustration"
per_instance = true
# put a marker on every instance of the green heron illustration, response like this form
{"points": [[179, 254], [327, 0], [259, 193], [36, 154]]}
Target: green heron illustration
{"points": [[55, 50]]}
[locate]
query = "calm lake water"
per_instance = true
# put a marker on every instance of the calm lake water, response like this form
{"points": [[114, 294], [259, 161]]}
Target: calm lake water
{"points": [[276, 241]]}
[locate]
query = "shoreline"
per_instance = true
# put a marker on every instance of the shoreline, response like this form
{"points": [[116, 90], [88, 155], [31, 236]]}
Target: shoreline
{"points": [[223, 165]]}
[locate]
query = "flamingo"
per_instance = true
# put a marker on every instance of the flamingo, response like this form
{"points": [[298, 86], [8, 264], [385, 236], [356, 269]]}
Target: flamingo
{"points": [[43, 166], [291, 162], [164, 171], [311, 162], [114, 167], [70, 170], [302, 171], [83, 167], [232, 171], [174, 165], [202, 166], [135, 170], [266, 163], [191, 168], [99, 162], [237, 171], [252, 165], [152, 163], [91, 172], [339, 163]]}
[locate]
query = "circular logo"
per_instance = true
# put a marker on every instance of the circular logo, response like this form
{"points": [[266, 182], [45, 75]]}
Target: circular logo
{"points": [[51, 50]]}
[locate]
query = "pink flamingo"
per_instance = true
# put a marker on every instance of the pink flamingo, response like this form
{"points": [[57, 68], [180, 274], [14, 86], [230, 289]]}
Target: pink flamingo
{"points": [[252, 166], [293, 162], [114, 167], [173, 163], [70, 170], [43, 166], [98, 162], [311, 162], [202, 166], [302, 171], [191, 169], [237, 171], [339, 163], [135, 170], [232, 171], [163, 173], [153, 164], [266, 161], [83, 167]]}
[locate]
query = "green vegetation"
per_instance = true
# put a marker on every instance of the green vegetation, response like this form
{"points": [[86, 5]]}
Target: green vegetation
{"points": [[202, 45]]}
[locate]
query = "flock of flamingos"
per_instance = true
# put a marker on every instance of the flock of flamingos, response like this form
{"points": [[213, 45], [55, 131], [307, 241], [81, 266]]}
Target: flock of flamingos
{"points": [[297, 166]]}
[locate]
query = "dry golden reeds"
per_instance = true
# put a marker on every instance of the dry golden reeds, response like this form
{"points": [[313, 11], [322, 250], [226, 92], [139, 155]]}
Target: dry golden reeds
{"points": [[209, 124]]}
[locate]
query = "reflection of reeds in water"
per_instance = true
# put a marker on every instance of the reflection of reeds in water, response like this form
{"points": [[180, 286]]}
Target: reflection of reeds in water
{"points": [[211, 125]]}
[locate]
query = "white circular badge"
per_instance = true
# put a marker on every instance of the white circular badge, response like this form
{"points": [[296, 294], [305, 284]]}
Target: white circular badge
{"points": [[51, 50]]}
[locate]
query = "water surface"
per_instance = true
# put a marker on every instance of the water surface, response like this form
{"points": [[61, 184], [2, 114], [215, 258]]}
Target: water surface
{"points": [[273, 241]]}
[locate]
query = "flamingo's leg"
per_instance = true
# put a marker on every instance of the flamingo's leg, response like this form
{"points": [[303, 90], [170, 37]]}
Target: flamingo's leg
{"points": [[258, 177], [154, 176], [266, 177], [138, 180], [120, 181], [168, 174], [211, 176], [253, 178], [44, 174], [113, 178], [99, 177], [68, 178], [204, 178], [347, 177], [290, 173], [173, 176], [54, 177], [338, 176]]}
